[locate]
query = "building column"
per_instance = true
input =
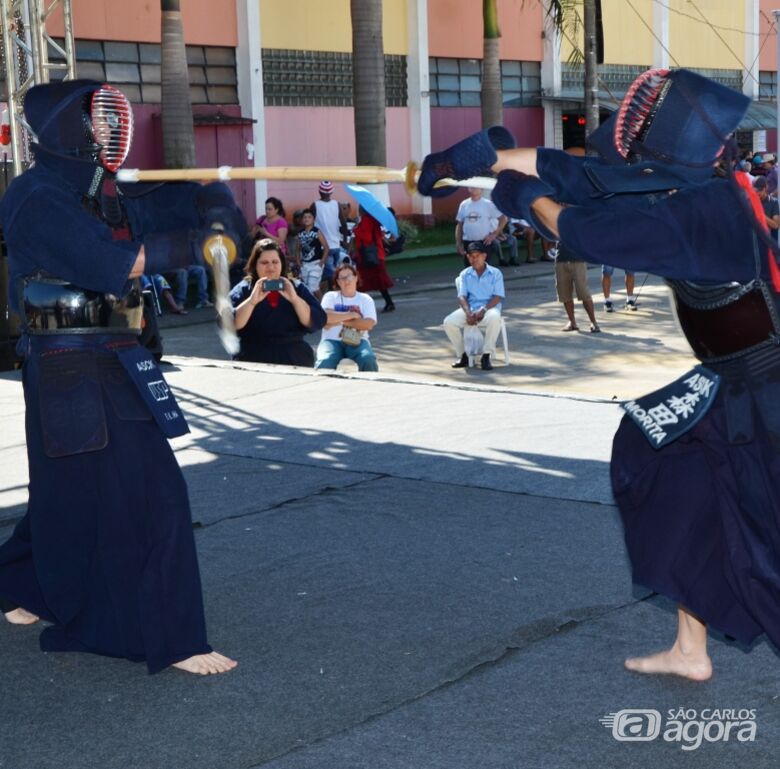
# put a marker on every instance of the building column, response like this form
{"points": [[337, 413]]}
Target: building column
{"points": [[551, 84], [660, 36], [750, 56], [750, 74], [249, 70], [417, 86]]}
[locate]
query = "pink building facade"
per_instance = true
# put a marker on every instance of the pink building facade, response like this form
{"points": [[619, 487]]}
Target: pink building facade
{"points": [[271, 81]]}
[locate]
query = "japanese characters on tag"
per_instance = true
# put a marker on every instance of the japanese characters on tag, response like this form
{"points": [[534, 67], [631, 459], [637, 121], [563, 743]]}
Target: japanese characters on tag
{"points": [[666, 414]]}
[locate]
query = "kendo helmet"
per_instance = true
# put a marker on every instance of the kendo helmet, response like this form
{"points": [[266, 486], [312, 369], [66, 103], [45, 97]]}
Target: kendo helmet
{"points": [[672, 117], [82, 119]]}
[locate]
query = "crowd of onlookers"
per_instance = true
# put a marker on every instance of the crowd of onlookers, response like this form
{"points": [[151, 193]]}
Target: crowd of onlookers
{"points": [[300, 275], [760, 165], [761, 171]]}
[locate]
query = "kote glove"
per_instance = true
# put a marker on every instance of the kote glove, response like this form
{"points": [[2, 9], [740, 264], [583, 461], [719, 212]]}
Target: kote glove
{"points": [[515, 193], [473, 156]]}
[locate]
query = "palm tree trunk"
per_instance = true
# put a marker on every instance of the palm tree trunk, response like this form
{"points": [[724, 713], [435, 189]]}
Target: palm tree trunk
{"points": [[368, 82], [591, 68], [177, 127], [491, 96]]}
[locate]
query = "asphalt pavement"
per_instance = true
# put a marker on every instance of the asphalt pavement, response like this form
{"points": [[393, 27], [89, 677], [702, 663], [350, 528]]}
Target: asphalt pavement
{"points": [[417, 569]]}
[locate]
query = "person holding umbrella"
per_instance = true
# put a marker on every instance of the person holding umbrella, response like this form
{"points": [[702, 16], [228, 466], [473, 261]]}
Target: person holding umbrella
{"points": [[369, 244]]}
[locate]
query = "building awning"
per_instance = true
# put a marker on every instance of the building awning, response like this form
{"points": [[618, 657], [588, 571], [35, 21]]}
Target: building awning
{"points": [[761, 115]]}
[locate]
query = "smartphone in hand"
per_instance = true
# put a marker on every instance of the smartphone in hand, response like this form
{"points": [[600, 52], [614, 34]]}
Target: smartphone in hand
{"points": [[273, 284]]}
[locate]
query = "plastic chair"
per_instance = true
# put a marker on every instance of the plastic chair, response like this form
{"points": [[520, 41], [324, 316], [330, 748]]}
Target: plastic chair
{"points": [[504, 341]]}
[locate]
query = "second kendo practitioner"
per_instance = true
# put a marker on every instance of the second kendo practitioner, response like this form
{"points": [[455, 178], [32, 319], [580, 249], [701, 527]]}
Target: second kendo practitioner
{"points": [[695, 466], [105, 552]]}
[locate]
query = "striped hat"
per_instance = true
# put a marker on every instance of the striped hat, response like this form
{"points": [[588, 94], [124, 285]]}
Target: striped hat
{"points": [[326, 188]]}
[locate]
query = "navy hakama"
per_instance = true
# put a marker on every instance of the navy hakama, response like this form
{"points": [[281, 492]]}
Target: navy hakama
{"points": [[106, 550]]}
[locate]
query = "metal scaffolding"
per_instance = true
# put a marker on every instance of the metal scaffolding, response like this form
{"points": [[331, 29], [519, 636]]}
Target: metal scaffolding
{"points": [[26, 60]]}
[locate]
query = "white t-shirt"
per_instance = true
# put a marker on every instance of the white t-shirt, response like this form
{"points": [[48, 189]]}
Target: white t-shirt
{"points": [[479, 218], [327, 221], [363, 301]]}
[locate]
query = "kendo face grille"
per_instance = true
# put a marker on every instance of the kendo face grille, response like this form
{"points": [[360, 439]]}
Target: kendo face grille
{"points": [[112, 126], [638, 109]]}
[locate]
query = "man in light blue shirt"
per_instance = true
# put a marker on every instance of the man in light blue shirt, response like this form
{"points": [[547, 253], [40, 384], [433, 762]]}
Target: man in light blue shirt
{"points": [[480, 292]]}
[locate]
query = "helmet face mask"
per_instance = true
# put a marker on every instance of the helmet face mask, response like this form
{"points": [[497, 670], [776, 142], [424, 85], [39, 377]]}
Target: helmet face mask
{"points": [[111, 126], [638, 110], [677, 117]]}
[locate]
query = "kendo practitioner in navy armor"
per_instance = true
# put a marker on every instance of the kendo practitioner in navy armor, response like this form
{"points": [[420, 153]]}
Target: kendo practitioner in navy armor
{"points": [[105, 552], [695, 466]]}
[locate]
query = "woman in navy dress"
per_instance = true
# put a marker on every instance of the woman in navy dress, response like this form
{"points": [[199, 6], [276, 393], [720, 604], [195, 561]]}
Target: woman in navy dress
{"points": [[271, 324]]}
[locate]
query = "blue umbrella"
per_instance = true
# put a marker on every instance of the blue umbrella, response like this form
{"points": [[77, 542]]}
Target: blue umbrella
{"points": [[371, 204]]}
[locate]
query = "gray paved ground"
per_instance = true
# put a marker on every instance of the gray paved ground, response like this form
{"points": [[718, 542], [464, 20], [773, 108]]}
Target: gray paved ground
{"points": [[421, 569]]}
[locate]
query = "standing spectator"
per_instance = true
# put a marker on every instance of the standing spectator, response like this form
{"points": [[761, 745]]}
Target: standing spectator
{"points": [[293, 258], [478, 219], [369, 257], [330, 220], [273, 224], [757, 163], [481, 289], [769, 204], [393, 244], [571, 275], [522, 229], [606, 287], [507, 238], [351, 315], [770, 161], [311, 252], [745, 167]]}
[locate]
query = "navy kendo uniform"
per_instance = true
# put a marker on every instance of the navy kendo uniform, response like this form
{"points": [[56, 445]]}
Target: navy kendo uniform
{"points": [[695, 466], [106, 551]]}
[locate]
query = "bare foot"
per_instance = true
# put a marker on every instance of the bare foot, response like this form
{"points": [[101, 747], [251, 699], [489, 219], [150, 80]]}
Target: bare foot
{"points": [[21, 616], [206, 664], [571, 327], [696, 667]]}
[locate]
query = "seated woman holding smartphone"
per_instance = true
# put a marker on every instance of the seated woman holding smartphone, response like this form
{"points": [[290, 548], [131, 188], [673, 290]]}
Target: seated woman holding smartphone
{"points": [[351, 315], [272, 313]]}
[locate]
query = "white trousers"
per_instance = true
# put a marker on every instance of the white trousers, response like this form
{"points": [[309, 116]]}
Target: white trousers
{"points": [[311, 275], [490, 326]]}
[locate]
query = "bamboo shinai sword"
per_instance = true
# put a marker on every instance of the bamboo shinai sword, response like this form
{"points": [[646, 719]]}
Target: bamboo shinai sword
{"points": [[357, 174]]}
